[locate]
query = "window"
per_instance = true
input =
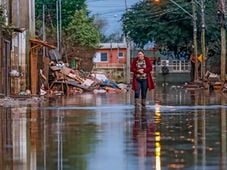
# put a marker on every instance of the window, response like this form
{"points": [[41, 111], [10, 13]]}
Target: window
{"points": [[120, 54], [103, 56]]}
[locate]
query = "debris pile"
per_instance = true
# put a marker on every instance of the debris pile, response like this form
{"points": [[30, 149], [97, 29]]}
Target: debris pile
{"points": [[211, 81], [64, 80]]}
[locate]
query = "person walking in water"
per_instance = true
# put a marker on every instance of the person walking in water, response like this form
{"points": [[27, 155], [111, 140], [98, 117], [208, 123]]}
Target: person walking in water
{"points": [[142, 80]]}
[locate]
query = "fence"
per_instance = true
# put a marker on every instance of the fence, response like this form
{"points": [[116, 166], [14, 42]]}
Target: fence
{"points": [[109, 65], [174, 66]]}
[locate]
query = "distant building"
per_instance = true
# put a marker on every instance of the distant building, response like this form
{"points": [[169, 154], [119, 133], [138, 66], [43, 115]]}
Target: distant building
{"points": [[111, 53], [110, 58]]}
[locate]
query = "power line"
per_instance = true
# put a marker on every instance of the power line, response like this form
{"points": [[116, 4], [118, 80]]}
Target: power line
{"points": [[105, 5]]}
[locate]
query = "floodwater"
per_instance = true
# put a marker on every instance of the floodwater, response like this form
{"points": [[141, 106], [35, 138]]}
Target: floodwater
{"points": [[179, 129]]}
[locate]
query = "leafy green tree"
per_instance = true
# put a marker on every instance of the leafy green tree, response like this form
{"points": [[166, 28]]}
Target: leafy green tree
{"points": [[80, 34], [82, 31], [165, 23], [162, 22], [68, 9], [168, 25], [81, 38]]}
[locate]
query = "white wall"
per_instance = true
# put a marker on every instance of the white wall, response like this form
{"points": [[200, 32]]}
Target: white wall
{"points": [[97, 57]]}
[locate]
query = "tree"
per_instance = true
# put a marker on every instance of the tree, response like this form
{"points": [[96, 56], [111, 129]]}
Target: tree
{"points": [[80, 35], [114, 37], [162, 22], [81, 39], [168, 25], [68, 9], [100, 22], [82, 31]]}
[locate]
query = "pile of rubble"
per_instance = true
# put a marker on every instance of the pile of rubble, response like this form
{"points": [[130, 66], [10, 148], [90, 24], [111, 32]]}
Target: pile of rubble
{"points": [[64, 80], [211, 81]]}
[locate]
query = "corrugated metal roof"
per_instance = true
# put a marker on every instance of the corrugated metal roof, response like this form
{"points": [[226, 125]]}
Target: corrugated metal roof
{"points": [[112, 45]]}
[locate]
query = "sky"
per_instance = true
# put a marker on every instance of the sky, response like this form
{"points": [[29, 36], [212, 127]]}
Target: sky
{"points": [[110, 11]]}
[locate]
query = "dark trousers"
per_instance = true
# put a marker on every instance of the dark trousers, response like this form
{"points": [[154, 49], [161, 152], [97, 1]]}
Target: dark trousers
{"points": [[141, 88]]}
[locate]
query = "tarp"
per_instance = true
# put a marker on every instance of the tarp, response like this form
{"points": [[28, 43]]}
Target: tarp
{"points": [[99, 76], [54, 55]]}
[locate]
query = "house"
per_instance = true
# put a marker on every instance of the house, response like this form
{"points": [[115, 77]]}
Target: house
{"points": [[14, 46], [111, 58]]}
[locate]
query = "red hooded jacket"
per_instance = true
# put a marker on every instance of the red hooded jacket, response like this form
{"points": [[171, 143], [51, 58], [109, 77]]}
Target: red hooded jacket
{"points": [[147, 70]]}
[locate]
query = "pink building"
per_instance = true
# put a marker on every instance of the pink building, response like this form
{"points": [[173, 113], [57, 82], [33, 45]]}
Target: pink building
{"points": [[110, 58], [111, 53]]}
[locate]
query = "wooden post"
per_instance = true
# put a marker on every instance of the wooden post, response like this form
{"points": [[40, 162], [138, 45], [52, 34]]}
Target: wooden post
{"points": [[223, 41], [34, 73]]}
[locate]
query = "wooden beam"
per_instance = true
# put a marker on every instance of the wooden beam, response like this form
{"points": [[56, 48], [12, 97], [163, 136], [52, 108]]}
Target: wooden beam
{"points": [[34, 73], [43, 43]]}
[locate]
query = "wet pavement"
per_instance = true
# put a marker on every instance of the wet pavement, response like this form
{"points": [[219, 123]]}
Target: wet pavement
{"points": [[179, 129]]}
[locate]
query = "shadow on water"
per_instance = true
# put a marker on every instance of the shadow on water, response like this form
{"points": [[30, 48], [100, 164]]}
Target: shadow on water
{"points": [[185, 130]]}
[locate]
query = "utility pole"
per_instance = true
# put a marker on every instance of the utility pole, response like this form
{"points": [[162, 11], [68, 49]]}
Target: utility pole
{"points": [[194, 18], [59, 24], [128, 61], [57, 16], [128, 75], [223, 39], [195, 39], [44, 29], [203, 41], [60, 27]]}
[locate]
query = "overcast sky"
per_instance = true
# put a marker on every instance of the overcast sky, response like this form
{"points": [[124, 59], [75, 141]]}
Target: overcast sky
{"points": [[111, 11]]}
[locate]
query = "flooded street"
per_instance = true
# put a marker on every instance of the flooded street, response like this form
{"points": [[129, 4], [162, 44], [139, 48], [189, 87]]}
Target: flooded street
{"points": [[179, 129]]}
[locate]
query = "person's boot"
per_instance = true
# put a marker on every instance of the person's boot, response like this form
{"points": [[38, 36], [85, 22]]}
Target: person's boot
{"points": [[143, 102], [137, 102]]}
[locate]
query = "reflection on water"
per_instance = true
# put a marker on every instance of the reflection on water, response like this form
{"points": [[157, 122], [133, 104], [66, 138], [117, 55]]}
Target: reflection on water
{"points": [[184, 130]]}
